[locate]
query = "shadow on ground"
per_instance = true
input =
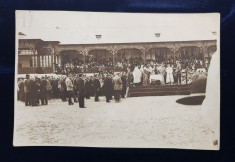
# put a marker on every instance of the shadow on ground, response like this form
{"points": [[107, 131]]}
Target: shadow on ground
{"points": [[194, 100]]}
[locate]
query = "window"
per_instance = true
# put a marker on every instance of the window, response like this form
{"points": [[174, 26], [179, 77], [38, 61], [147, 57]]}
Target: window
{"points": [[26, 52]]}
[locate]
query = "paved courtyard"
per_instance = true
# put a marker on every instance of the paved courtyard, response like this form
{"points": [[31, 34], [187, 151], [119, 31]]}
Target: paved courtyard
{"points": [[156, 121]]}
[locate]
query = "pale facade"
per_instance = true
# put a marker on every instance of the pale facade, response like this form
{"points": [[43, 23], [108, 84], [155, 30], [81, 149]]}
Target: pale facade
{"points": [[38, 56]]}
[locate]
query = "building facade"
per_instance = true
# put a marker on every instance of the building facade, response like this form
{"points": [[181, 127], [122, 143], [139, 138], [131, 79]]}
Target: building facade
{"points": [[38, 56]]}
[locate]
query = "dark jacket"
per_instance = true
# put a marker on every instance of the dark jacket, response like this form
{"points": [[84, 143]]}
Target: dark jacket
{"points": [[63, 85], [43, 87], [123, 78], [34, 89], [108, 86], [96, 84], [80, 87], [88, 85]]}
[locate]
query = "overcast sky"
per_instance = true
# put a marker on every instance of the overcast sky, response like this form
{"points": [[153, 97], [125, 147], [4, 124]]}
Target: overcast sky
{"points": [[81, 27]]}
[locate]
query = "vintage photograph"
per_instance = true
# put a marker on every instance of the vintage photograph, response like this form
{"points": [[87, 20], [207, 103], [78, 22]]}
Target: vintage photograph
{"points": [[126, 80]]}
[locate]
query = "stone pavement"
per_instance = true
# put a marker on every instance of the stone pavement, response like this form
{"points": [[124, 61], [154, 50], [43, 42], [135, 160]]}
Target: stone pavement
{"points": [[155, 122]]}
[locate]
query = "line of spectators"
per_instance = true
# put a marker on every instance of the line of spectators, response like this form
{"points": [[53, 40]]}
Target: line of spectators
{"points": [[36, 90], [94, 65]]}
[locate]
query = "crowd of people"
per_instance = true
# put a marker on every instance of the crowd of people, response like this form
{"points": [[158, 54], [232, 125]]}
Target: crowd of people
{"points": [[94, 65], [36, 90], [73, 86]]}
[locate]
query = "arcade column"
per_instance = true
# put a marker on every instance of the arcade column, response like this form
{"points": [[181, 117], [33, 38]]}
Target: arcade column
{"points": [[84, 53], [174, 48], [113, 51], [144, 51], [203, 49]]}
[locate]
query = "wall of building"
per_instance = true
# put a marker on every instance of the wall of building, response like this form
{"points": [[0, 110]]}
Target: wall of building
{"points": [[24, 61]]}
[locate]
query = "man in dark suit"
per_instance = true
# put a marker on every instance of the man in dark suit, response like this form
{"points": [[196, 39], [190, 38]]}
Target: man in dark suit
{"points": [[27, 90], [75, 95], [38, 84], [34, 92], [80, 90], [88, 88], [123, 78], [63, 88], [96, 84], [178, 73], [43, 91], [108, 87]]}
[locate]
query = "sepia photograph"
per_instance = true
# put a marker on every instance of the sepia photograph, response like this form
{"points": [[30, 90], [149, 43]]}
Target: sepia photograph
{"points": [[117, 80]]}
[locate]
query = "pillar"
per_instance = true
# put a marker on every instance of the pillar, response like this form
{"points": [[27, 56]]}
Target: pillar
{"points": [[84, 58], [144, 51], [174, 48], [208, 53], [84, 53], [166, 53], [96, 54], [204, 52], [38, 58], [48, 59], [55, 60], [42, 60], [155, 53], [113, 62], [144, 57], [52, 60], [203, 49], [113, 52]]}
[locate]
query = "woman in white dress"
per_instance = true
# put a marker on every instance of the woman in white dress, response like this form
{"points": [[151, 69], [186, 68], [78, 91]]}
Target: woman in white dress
{"points": [[137, 76], [162, 72], [169, 75]]}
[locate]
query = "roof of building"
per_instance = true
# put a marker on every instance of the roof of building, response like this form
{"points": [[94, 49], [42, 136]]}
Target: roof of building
{"points": [[82, 27]]}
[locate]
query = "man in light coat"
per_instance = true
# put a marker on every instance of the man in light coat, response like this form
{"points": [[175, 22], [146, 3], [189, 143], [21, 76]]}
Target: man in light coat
{"points": [[117, 83], [69, 85]]}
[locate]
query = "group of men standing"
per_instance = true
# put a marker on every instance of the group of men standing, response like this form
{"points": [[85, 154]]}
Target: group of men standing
{"points": [[80, 88], [36, 89], [74, 88]]}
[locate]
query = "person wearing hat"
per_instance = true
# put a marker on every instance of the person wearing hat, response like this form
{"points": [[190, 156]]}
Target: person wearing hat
{"points": [[88, 87], [124, 79], [75, 95], [117, 82], [69, 86], [21, 95], [96, 84], [43, 91], [108, 87], [178, 72], [80, 90], [27, 90], [38, 84], [128, 82], [62, 87], [34, 92]]}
